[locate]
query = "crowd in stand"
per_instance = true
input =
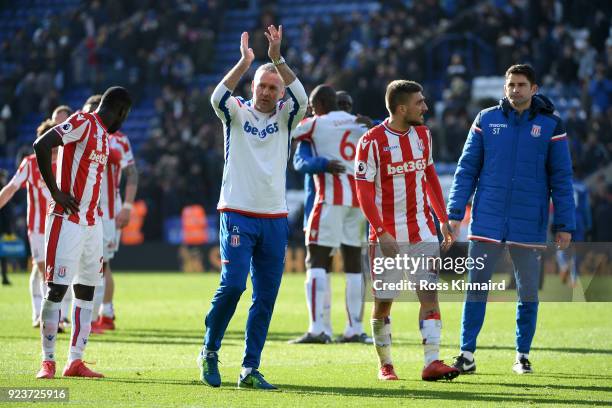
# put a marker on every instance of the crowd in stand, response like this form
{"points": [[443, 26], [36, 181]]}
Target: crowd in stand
{"points": [[166, 43]]}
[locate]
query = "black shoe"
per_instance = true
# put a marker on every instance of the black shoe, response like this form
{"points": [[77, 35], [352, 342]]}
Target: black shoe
{"points": [[356, 338], [523, 366], [464, 365], [310, 338]]}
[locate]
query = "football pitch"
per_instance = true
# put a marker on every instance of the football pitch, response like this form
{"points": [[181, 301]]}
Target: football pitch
{"points": [[149, 361]]}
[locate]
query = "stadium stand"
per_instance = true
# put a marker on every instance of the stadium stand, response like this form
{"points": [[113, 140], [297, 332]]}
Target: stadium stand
{"points": [[170, 53]]}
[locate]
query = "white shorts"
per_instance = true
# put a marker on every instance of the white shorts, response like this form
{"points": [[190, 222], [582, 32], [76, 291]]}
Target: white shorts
{"points": [[74, 252], [111, 238], [37, 246], [408, 272], [333, 225]]}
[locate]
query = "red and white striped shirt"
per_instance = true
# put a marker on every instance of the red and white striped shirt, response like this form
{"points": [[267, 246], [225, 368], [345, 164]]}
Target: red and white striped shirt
{"points": [[334, 136], [396, 163], [110, 199], [28, 175], [80, 164]]}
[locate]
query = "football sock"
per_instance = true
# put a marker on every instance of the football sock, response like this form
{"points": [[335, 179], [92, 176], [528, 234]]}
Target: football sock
{"points": [[521, 355], [316, 286], [66, 303], [327, 306], [49, 316], [381, 331], [107, 310], [81, 327], [430, 332], [245, 371], [97, 301], [354, 304], [468, 354], [36, 293]]}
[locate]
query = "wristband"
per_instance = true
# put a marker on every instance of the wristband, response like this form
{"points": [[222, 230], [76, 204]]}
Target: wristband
{"points": [[278, 62], [128, 206]]}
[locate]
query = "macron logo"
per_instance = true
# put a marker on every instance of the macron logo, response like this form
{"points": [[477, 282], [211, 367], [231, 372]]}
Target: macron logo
{"points": [[98, 157], [406, 167]]}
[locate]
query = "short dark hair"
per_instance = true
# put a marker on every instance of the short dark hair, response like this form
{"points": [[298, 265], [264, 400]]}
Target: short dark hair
{"points": [[93, 99], [523, 69], [398, 90], [326, 96], [62, 108], [116, 96]]}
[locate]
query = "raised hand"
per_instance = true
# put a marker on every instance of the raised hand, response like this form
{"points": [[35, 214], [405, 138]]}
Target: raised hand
{"points": [[274, 37], [247, 53]]}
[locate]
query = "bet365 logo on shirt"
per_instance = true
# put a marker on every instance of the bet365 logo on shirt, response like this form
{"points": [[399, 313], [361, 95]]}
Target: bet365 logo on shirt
{"points": [[268, 130]]}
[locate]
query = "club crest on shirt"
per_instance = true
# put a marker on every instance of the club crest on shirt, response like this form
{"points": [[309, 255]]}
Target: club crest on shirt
{"points": [[235, 240], [361, 167], [66, 127], [420, 144], [536, 130]]}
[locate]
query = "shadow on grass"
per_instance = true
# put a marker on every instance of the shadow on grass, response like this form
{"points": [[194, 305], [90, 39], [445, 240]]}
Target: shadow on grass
{"points": [[552, 386], [454, 395]]}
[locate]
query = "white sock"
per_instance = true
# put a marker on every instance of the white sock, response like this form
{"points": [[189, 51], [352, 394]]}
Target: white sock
{"points": [[36, 293], [354, 304], [66, 303], [327, 307], [107, 310], [520, 355], [381, 332], [97, 301], [245, 371], [316, 286], [49, 316], [430, 331], [468, 354], [81, 327]]}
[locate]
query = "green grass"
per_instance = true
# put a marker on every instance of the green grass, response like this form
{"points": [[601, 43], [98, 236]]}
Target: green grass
{"points": [[150, 359]]}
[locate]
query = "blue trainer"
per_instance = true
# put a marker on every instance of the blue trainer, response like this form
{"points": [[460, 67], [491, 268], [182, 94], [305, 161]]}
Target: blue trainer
{"points": [[209, 369], [255, 380]]}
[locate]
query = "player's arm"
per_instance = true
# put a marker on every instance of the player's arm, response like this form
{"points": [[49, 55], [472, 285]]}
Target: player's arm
{"points": [[221, 99], [247, 56], [7, 193], [15, 184], [305, 162], [43, 147], [559, 169], [365, 172], [436, 198], [296, 90], [73, 130], [466, 175], [131, 187]]}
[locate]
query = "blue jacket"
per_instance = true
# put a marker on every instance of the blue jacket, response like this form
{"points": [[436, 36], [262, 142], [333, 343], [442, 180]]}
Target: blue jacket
{"points": [[515, 164], [308, 164]]}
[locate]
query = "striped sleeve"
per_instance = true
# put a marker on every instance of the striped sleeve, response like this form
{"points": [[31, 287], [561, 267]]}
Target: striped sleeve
{"points": [[366, 160], [223, 103], [295, 108], [21, 176], [73, 129]]}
